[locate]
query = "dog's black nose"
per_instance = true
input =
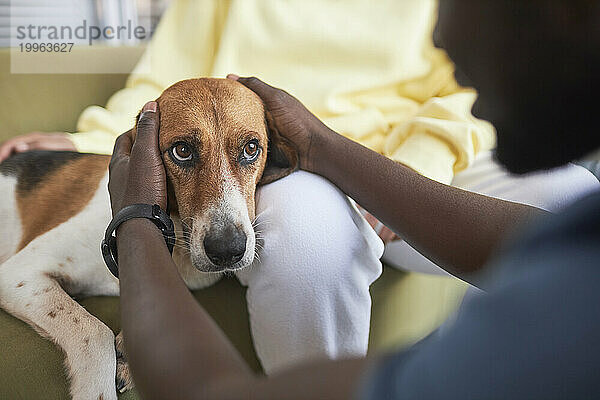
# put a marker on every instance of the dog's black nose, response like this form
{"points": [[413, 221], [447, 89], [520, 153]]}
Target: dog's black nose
{"points": [[226, 246]]}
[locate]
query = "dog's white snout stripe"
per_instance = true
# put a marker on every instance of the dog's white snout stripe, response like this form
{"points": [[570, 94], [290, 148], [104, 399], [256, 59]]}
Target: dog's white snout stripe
{"points": [[228, 213]]}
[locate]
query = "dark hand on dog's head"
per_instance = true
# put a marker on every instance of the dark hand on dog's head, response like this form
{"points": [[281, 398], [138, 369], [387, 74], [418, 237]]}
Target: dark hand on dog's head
{"points": [[291, 128], [137, 173]]}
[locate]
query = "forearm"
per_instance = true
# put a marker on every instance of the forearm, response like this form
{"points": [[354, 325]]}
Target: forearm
{"points": [[173, 346], [456, 229]]}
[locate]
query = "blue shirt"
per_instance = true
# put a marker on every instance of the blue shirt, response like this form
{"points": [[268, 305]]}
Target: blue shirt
{"points": [[534, 335]]}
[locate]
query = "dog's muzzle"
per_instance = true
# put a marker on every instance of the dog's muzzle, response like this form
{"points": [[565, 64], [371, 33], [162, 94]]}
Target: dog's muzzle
{"points": [[225, 246]]}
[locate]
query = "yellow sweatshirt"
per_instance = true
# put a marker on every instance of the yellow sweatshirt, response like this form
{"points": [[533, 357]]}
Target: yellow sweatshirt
{"points": [[369, 70]]}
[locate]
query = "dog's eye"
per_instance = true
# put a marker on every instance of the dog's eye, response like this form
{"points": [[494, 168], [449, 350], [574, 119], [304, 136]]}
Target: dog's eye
{"points": [[251, 151], [182, 152]]}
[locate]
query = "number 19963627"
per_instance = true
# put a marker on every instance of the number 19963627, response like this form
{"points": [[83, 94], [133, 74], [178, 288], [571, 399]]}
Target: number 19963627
{"points": [[46, 47]]}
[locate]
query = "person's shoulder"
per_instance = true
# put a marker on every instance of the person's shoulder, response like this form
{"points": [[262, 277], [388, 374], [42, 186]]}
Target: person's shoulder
{"points": [[579, 219], [559, 246], [576, 222]]}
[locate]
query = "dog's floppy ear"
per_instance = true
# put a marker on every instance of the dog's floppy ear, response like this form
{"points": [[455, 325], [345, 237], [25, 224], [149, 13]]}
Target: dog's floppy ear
{"points": [[282, 156]]}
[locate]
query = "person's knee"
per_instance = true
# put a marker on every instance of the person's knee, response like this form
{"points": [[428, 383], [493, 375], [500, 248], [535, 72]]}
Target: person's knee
{"points": [[302, 197], [307, 210], [312, 232]]}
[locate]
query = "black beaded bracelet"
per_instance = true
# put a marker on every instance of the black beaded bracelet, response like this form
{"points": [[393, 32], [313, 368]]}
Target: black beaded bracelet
{"points": [[152, 212]]}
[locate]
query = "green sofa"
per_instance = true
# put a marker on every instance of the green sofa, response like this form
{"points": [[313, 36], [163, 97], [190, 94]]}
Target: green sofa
{"points": [[406, 306]]}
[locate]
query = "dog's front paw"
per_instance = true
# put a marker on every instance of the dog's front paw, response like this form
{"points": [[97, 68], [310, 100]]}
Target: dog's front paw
{"points": [[124, 379]]}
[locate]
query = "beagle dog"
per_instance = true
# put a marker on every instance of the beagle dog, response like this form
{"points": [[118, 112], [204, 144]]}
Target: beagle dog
{"points": [[216, 146]]}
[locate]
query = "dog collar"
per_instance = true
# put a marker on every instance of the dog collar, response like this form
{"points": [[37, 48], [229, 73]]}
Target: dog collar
{"points": [[152, 212]]}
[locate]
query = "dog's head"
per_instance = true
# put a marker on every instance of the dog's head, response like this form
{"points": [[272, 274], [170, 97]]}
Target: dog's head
{"points": [[218, 146]]}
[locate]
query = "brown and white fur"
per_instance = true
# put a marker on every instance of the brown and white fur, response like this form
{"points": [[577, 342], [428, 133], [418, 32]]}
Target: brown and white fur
{"points": [[54, 208]]}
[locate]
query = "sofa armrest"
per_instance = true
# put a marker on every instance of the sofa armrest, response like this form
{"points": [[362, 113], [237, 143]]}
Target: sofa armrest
{"points": [[53, 102]]}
